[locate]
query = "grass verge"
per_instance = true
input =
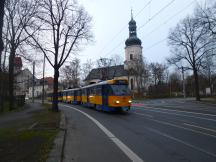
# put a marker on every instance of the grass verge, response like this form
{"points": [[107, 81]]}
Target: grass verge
{"points": [[31, 141], [209, 99]]}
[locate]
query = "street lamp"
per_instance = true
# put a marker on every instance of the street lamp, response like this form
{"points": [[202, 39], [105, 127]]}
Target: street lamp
{"points": [[43, 92]]}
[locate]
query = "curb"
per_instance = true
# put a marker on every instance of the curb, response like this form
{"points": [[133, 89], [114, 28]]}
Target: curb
{"points": [[57, 152]]}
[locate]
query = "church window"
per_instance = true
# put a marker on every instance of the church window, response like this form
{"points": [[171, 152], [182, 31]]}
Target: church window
{"points": [[131, 56]]}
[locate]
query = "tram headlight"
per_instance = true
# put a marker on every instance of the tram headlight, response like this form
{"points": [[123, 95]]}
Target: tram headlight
{"points": [[117, 102], [129, 101]]}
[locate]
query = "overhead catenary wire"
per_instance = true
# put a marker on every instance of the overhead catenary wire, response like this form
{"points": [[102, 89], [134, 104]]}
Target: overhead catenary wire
{"points": [[124, 27], [150, 19], [170, 18], [156, 14], [159, 26], [155, 44]]}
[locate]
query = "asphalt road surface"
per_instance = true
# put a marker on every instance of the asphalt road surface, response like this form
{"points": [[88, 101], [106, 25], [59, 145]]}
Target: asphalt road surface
{"points": [[174, 130]]}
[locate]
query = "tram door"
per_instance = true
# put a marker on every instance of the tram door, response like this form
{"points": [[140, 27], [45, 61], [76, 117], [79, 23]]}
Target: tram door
{"points": [[105, 94]]}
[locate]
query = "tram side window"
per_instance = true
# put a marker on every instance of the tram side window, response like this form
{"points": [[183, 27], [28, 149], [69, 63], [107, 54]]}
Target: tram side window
{"points": [[59, 94], [84, 92], [92, 91], [64, 93], [79, 93], [107, 90], [68, 93], [98, 90]]}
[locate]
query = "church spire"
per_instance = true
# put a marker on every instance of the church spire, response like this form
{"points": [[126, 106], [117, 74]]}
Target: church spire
{"points": [[132, 40], [131, 13]]}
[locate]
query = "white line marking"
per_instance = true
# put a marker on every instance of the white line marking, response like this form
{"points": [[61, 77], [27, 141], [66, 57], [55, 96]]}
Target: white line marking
{"points": [[144, 114], [174, 125], [128, 152], [183, 142], [196, 126], [176, 114], [146, 106], [163, 102]]}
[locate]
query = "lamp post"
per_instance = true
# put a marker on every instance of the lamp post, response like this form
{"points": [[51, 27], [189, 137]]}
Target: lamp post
{"points": [[183, 79], [43, 92], [33, 81]]}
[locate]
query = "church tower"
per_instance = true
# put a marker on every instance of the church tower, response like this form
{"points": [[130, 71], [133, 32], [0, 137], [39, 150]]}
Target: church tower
{"points": [[133, 45], [133, 52]]}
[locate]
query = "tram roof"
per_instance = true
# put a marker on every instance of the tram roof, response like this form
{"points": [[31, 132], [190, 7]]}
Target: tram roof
{"points": [[113, 81]]}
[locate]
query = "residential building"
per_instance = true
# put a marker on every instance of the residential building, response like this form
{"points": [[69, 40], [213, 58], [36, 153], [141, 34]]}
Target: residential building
{"points": [[22, 78], [38, 87]]}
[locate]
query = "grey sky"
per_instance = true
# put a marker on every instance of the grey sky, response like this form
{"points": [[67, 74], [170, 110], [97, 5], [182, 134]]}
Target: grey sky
{"points": [[110, 26]]}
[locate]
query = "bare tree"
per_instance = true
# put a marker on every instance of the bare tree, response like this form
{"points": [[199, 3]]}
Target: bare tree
{"points": [[207, 16], [117, 60], [175, 82], [208, 69], [157, 71], [18, 15], [139, 69], [188, 42], [71, 73], [86, 68], [63, 26], [2, 3], [104, 66]]}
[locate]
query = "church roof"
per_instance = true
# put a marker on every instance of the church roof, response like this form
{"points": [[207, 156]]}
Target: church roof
{"points": [[48, 80], [111, 72], [133, 40], [132, 22]]}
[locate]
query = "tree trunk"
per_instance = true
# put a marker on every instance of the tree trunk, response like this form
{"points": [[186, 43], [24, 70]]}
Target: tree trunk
{"points": [[196, 79], [2, 2], [1, 92], [11, 79], [55, 90]]}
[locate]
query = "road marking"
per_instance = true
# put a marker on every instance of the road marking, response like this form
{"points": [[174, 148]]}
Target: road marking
{"points": [[144, 115], [146, 106], [212, 130], [183, 142], [178, 114], [174, 125], [128, 152], [163, 102]]}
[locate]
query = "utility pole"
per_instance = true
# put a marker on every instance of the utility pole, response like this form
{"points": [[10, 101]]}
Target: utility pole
{"points": [[33, 81], [184, 93], [43, 92]]}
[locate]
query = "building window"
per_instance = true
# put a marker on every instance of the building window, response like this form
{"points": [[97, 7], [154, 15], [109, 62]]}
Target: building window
{"points": [[131, 56], [132, 86]]}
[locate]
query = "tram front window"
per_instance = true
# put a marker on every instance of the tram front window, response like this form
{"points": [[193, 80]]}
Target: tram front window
{"points": [[120, 90]]}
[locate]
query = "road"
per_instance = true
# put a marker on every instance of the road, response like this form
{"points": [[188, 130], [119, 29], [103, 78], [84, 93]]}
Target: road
{"points": [[170, 130]]}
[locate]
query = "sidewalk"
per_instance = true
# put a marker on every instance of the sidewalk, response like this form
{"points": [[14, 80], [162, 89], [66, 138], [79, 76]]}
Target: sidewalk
{"points": [[11, 118]]}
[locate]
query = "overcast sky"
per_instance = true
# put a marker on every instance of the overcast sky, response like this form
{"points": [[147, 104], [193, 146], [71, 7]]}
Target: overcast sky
{"points": [[154, 19]]}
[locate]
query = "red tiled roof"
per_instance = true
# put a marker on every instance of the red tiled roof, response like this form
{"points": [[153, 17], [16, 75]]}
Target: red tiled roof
{"points": [[48, 80], [18, 62]]}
